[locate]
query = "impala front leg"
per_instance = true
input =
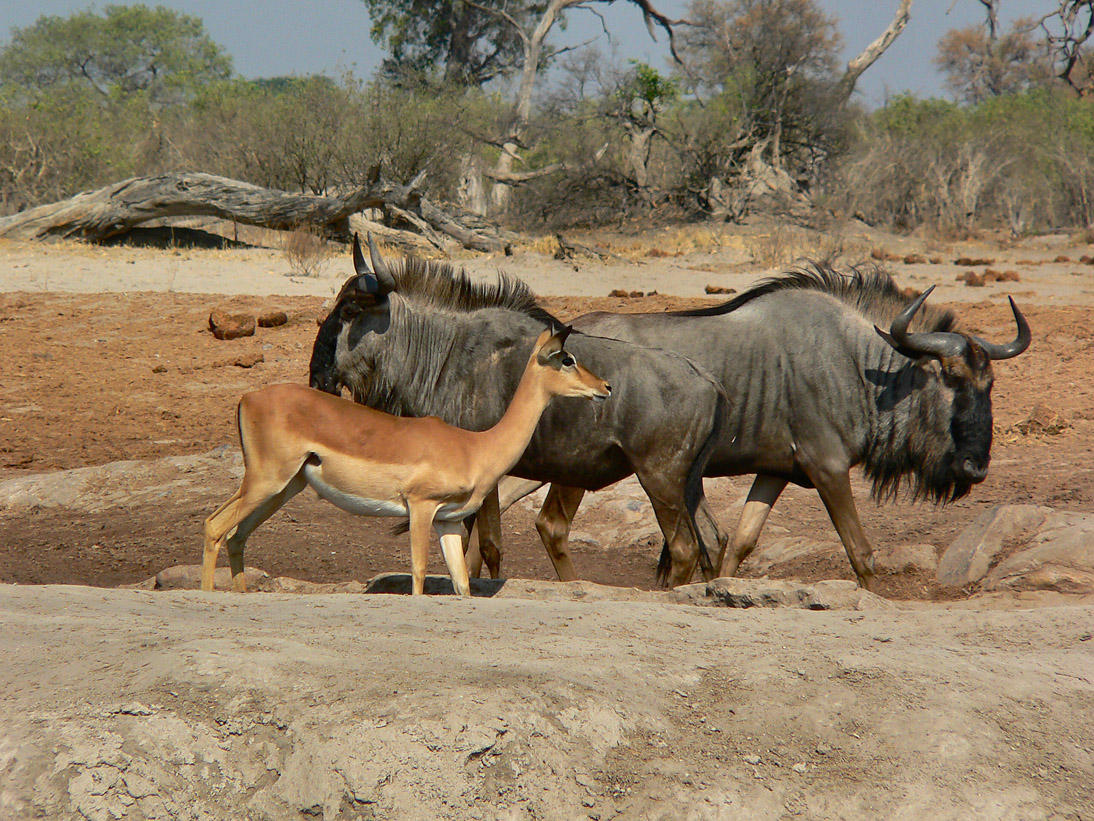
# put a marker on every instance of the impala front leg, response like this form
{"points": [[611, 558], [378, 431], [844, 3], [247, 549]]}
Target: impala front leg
{"points": [[421, 517], [452, 547]]}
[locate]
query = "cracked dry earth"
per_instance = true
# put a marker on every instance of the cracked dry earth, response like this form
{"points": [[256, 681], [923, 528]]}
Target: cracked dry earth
{"points": [[555, 702]]}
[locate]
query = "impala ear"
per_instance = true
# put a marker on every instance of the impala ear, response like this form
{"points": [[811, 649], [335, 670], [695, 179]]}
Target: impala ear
{"points": [[551, 342]]}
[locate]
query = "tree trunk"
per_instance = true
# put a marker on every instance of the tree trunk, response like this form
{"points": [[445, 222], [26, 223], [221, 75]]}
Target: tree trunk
{"points": [[117, 208]]}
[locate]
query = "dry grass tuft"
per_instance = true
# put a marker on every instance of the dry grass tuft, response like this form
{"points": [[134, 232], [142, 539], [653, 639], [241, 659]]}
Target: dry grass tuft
{"points": [[308, 252]]}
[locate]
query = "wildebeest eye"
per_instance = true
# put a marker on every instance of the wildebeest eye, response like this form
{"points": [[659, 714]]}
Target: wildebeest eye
{"points": [[568, 361]]}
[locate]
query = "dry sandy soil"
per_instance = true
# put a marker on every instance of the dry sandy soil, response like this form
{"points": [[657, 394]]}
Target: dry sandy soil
{"points": [[126, 703]]}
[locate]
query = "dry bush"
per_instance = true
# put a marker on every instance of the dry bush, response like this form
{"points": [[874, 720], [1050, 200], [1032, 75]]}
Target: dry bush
{"points": [[785, 244], [308, 252]]}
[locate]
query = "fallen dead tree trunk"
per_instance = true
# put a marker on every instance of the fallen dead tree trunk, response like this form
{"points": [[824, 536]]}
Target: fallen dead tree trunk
{"points": [[118, 208]]}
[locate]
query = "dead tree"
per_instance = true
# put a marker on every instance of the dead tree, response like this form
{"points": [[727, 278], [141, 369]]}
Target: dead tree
{"points": [[120, 207]]}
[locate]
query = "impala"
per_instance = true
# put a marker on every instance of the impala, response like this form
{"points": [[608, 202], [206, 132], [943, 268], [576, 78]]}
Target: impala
{"points": [[375, 464]]}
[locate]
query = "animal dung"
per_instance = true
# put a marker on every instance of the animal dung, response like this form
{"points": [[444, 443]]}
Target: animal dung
{"points": [[230, 326], [1043, 420], [719, 289], [973, 261]]}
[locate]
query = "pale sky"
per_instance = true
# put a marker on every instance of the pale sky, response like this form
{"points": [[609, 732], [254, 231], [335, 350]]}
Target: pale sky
{"points": [[279, 37]]}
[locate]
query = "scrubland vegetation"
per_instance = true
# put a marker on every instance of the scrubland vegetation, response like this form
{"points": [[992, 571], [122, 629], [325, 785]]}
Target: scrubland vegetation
{"points": [[97, 97]]}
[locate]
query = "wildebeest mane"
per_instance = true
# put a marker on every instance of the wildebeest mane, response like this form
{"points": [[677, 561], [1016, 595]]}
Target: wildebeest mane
{"points": [[869, 291], [445, 287], [434, 301]]}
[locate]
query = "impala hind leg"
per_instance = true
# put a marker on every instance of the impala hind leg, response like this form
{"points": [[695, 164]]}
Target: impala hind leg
{"points": [[553, 524], [251, 505], [835, 491], [451, 537], [762, 496]]}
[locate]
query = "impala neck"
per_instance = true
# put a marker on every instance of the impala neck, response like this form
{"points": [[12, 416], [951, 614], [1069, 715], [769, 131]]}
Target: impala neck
{"points": [[504, 444]]}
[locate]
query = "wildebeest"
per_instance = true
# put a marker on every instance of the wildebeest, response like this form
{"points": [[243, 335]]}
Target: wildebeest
{"points": [[420, 339], [376, 464], [816, 388]]}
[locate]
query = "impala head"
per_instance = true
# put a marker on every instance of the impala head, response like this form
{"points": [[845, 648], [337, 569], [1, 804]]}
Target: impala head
{"points": [[964, 372], [561, 373], [363, 304]]}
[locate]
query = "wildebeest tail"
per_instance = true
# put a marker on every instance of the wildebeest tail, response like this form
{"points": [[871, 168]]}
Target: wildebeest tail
{"points": [[693, 493]]}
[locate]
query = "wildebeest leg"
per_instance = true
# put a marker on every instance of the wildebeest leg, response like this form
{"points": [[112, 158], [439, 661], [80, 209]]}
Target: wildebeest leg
{"points": [[451, 535], [835, 492], [761, 497], [710, 531], [678, 528], [484, 541], [553, 524]]}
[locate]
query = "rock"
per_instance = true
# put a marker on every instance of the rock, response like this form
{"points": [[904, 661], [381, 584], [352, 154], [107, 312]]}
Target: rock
{"points": [[272, 319], [247, 360], [124, 484], [836, 594], [1060, 559], [914, 259], [400, 583], [188, 577], [769, 555], [907, 557], [970, 556], [230, 326]]}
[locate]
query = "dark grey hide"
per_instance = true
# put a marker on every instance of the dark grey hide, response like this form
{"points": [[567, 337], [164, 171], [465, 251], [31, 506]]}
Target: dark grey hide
{"points": [[420, 339], [816, 389]]}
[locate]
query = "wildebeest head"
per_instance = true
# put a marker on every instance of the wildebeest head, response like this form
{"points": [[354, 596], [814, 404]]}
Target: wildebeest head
{"points": [[964, 368], [363, 305]]}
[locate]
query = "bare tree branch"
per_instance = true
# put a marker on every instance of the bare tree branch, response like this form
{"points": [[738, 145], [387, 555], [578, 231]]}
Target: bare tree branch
{"points": [[857, 65]]}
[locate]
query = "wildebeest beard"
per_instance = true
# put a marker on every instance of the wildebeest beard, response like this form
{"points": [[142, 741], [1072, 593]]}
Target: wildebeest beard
{"points": [[918, 453]]}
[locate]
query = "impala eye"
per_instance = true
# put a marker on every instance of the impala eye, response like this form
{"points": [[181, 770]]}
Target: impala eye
{"points": [[568, 361]]}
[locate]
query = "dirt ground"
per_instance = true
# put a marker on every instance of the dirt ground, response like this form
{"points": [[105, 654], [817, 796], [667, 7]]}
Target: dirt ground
{"points": [[141, 705], [92, 378]]}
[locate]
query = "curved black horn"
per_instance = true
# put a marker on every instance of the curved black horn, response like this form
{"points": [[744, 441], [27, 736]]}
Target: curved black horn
{"points": [[1020, 343], [359, 264], [932, 343], [379, 267]]}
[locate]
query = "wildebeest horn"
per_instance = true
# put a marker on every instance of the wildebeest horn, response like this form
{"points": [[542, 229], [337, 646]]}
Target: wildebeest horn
{"points": [[932, 343], [379, 267], [1020, 343], [359, 264]]}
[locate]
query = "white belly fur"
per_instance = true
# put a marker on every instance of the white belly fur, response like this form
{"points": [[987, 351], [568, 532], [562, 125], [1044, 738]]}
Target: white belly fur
{"points": [[349, 502], [373, 507]]}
